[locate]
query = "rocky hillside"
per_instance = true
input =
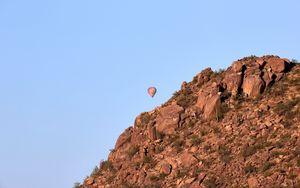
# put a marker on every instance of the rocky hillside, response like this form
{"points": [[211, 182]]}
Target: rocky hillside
{"points": [[238, 127]]}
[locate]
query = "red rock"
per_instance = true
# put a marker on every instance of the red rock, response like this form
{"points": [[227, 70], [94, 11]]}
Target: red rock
{"points": [[187, 159], [253, 182], [201, 177], [168, 119], [253, 86], [211, 107], [166, 169], [152, 132], [90, 180], [233, 82], [237, 66], [277, 65], [124, 137]]}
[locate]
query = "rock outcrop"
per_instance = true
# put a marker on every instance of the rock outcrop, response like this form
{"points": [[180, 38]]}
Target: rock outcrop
{"points": [[168, 119], [238, 127]]}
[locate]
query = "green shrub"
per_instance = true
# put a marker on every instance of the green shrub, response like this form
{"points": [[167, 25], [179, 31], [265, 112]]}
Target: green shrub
{"points": [[267, 165], [145, 119], [277, 153], [221, 111], [285, 108], [106, 165], [133, 150], [159, 149], [178, 144], [181, 173], [196, 140], [210, 182], [77, 185], [249, 168], [149, 160], [110, 179], [248, 151], [224, 153], [186, 98], [96, 171]]}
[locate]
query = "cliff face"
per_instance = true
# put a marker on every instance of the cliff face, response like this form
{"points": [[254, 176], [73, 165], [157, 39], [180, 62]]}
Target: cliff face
{"points": [[234, 128]]}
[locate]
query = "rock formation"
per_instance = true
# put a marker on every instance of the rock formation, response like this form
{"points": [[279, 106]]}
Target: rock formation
{"points": [[239, 127]]}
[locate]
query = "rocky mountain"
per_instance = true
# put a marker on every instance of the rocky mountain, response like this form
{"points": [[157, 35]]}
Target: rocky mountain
{"points": [[238, 127]]}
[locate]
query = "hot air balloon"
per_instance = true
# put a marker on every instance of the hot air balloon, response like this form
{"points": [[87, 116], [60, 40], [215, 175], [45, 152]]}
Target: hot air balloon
{"points": [[152, 91]]}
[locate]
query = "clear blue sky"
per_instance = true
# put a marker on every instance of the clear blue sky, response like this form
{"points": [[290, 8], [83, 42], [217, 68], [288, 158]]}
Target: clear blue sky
{"points": [[74, 74]]}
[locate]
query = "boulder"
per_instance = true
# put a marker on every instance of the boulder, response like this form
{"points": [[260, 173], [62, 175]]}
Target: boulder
{"points": [[260, 61], [211, 107], [168, 119], [90, 180], [203, 76], [277, 64], [188, 159], [253, 86], [268, 77], [233, 82], [124, 137], [253, 182], [208, 101], [152, 132], [237, 66], [166, 169]]}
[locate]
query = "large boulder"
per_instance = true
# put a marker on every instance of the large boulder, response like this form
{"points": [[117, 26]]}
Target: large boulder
{"points": [[237, 66], [253, 86], [233, 82], [188, 160], [124, 138], [203, 76], [152, 132], [253, 182], [208, 101], [168, 119], [212, 105], [277, 64]]}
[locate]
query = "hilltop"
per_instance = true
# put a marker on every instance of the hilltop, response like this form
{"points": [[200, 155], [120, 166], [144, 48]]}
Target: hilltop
{"points": [[238, 127]]}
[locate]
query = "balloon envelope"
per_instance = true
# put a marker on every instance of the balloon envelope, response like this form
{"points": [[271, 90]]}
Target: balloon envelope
{"points": [[151, 91]]}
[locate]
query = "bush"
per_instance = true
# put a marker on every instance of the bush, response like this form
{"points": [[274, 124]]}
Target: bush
{"points": [[223, 109], [95, 172], [248, 151], [106, 165], [224, 153], [178, 144], [285, 108], [267, 165], [145, 119], [77, 185], [249, 168], [149, 160], [210, 183], [110, 179], [159, 149], [133, 150], [196, 140], [186, 98], [181, 173]]}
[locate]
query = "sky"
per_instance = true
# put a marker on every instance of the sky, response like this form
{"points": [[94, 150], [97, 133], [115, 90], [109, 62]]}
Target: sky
{"points": [[74, 74]]}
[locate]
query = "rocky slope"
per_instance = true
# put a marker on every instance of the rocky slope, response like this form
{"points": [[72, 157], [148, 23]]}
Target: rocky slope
{"points": [[238, 127]]}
